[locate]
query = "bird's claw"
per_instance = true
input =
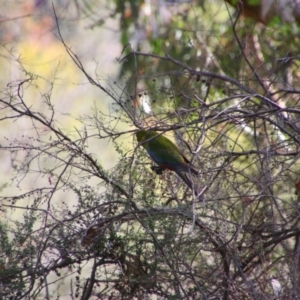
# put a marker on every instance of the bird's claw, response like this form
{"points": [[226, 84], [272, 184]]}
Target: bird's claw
{"points": [[157, 170]]}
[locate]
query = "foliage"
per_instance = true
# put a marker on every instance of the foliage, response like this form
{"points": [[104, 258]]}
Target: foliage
{"points": [[229, 99]]}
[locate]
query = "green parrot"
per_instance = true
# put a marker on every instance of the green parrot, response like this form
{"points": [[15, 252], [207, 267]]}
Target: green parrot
{"points": [[168, 156]]}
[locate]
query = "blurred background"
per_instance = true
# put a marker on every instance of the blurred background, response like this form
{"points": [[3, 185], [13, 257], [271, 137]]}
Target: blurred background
{"points": [[30, 45]]}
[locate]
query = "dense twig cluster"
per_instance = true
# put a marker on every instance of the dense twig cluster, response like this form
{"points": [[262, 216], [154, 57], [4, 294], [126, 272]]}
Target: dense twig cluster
{"points": [[142, 233]]}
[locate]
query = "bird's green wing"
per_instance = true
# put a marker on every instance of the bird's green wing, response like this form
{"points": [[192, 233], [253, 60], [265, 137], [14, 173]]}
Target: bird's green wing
{"points": [[164, 152]]}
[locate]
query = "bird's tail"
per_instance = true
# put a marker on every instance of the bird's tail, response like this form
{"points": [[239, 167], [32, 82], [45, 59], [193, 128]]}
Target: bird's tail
{"points": [[192, 184]]}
